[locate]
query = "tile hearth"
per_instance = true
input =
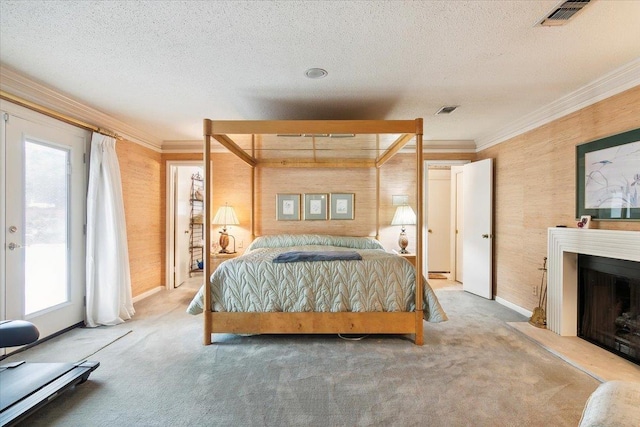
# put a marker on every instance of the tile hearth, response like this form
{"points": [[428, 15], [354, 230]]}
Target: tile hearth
{"points": [[595, 361]]}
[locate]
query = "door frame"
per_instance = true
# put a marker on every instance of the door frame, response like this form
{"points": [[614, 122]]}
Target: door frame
{"points": [[3, 223], [39, 119], [170, 167], [457, 231], [425, 210]]}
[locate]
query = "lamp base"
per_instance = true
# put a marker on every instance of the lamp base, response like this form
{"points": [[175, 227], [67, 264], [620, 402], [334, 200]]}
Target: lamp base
{"points": [[223, 242], [403, 242]]}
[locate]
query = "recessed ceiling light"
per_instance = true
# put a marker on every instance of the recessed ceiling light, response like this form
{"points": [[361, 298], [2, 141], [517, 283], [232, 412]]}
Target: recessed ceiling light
{"points": [[315, 73]]}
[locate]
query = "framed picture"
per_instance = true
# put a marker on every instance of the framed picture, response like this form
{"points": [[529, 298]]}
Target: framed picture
{"points": [[608, 178], [288, 207], [342, 205], [315, 206], [399, 200]]}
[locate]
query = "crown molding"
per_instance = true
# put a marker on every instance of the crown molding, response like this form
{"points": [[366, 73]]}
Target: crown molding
{"points": [[435, 146], [180, 146], [449, 146], [190, 146], [18, 85], [443, 146], [617, 81]]}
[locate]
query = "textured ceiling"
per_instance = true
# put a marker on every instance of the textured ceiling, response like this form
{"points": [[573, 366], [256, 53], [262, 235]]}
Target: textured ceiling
{"points": [[163, 66]]}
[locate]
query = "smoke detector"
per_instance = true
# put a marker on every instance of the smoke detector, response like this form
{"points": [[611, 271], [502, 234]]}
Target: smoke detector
{"points": [[562, 13]]}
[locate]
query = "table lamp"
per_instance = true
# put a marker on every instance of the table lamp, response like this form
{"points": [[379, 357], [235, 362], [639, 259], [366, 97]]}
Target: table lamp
{"points": [[404, 216], [226, 216]]}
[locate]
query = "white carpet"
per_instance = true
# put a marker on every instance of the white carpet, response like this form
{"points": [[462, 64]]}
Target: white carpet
{"points": [[473, 370]]}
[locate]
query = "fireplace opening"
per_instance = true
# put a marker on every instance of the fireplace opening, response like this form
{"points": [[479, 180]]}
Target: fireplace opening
{"points": [[609, 304]]}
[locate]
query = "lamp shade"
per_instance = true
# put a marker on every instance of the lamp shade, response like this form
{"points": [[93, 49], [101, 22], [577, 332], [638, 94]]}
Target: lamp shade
{"points": [[404, 216], [225, 216]]}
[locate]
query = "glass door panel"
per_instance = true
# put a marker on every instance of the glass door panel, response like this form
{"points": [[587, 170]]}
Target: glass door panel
{"points": [[46, 226]]}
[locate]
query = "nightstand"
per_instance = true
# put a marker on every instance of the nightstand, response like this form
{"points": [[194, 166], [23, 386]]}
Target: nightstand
{"points": [[409, 257], [217, 259]]}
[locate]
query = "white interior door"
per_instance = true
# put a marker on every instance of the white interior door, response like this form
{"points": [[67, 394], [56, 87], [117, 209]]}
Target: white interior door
{"points": [[439, 220], [44, 206], [478, 228]]}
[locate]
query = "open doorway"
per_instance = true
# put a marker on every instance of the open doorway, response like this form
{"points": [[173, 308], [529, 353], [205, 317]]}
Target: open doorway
{"points": [[443, 218], [471, 230], [180, 221]]}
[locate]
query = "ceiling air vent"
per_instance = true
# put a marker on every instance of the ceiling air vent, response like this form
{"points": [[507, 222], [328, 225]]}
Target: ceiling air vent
{"points": [[561, 14], [446, 109]]}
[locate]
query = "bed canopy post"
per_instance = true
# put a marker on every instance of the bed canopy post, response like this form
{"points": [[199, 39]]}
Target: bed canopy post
{"points": [[253, 189], [377, 191], [207, 232], [377, 203], [419, 339]]}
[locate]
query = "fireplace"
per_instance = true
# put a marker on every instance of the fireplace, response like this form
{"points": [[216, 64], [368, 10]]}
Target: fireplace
{"points": [[609, 304], [564, 245]]}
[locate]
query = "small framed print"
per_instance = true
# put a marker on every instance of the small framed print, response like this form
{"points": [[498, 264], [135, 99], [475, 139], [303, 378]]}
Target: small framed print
{"points": [[315, 206], [342, 205], [288, 207]]}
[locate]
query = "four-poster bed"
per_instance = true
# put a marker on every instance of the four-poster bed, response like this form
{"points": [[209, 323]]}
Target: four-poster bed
{"points": [[317, 144]]}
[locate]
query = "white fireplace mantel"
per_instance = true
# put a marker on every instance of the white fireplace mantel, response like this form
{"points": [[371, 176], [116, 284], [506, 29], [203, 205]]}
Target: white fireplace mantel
{"points": [[564, 245]]}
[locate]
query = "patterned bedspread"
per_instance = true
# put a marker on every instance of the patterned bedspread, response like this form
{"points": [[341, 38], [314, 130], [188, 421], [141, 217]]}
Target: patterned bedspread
{"points": [[254, 283]]}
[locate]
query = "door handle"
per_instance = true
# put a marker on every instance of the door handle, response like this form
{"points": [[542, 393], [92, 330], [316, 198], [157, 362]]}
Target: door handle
{"points": [[487, 236], [13, 246], [430, 230]]}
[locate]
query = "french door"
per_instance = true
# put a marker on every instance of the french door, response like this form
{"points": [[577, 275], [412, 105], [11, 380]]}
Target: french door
{"points": [[43, 204]]}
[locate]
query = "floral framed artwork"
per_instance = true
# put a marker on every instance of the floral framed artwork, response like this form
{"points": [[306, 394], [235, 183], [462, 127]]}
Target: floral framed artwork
{"points": [[608, 178], [288, 207], [315, 206], [342, 206]]}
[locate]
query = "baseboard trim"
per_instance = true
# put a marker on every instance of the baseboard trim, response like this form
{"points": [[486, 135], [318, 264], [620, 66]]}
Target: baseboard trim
{"points": [[513, 307], [147, 294]]}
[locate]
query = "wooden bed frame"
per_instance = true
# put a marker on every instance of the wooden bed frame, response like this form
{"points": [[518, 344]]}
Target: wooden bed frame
{"points": [[314, 323]]}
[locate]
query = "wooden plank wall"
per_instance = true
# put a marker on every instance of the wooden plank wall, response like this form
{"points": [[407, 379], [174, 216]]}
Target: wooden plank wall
{"points": [[361, 182], [535, 189], [144, 187], [141, 171], [232, 184]]}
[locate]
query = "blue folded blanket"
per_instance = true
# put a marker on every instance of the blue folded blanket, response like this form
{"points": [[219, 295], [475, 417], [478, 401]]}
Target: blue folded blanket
{"points": [[302, 256]]}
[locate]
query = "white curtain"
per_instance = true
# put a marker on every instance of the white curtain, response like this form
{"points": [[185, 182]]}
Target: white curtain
{"points": [[108, 277]]}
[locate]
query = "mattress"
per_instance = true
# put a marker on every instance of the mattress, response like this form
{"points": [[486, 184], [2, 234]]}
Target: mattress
{"points": [[379, 282]]}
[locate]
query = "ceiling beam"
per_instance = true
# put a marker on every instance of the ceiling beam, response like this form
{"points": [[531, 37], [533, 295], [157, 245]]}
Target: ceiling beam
{"points": [[233, 147], [395, 147], [274, 127]]}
